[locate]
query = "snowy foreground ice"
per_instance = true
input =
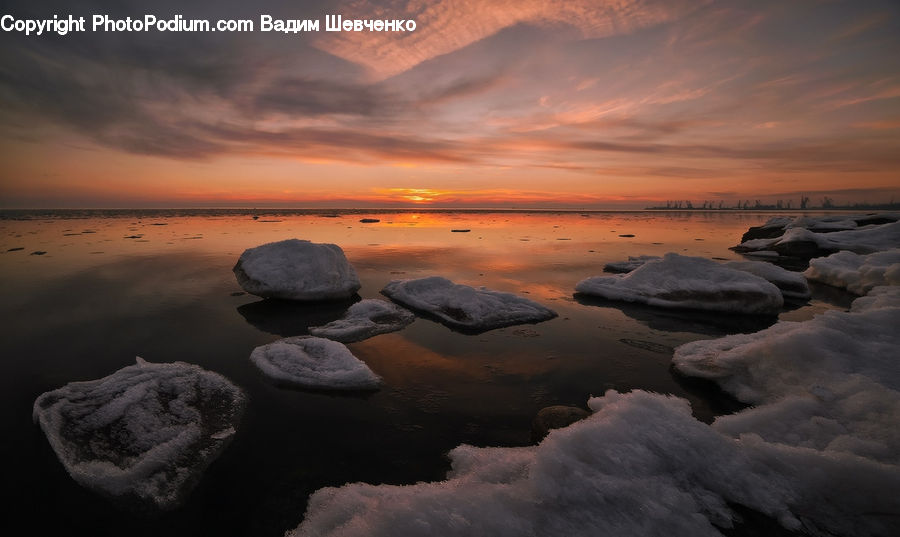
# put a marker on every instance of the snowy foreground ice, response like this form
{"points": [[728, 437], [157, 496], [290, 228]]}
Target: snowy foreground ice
{"points": [[819, 453], [464, 307], [677, 281], [857, 273], [297, 270], [365, 319], [314, 363], [143, 435]]}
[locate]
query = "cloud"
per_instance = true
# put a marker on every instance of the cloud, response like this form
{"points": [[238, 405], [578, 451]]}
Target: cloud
{"points": [[444, 26]]}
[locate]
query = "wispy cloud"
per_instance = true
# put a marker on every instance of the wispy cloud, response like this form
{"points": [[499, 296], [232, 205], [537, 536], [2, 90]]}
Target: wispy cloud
{"points": [[444, 26]]}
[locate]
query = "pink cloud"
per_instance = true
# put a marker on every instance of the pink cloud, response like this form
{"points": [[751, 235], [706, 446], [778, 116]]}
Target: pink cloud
{"points": [[449, 25]]}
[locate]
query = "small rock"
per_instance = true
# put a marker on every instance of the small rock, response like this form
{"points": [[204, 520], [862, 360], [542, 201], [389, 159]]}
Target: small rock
{"points": [[555, 417]]}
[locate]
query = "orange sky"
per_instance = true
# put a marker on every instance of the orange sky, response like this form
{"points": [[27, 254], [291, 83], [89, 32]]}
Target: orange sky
{"points": [[527, 103]]}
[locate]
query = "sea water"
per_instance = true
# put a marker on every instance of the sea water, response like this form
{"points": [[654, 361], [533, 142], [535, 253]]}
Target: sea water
{"points": [[84, 292]]}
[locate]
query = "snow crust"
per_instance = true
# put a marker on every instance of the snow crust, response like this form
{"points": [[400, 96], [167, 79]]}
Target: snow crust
{"points": [[830, 383], [639, 465], [296, 270], [856, 273], [627, 266], [144, 434], [314, 363], [365, 319], [677, 281], [791, 284], [461, 306]]}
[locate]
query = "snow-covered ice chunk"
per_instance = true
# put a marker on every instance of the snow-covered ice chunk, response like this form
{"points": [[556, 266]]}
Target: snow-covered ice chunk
{"points": [[143, 435], [830, 383], [461, 306], [633, 262], [801, 242], [884, 296], [792, 284], [823, 223], [314, 363], [297, 270], [365, 319], [773, 227], [776, 226], [856, 273], [639, 465], [677, 281]]}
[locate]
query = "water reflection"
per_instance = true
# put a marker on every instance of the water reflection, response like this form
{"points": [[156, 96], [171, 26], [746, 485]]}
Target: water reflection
{"points": [[75, 314], [287, 318]]}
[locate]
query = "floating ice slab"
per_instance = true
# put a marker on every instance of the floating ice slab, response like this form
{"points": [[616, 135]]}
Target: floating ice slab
{"points": [[792, 284], [639, 465], [677, 281], [633, 262], [314, 363], [297, 270], [365, 319], [144, 434], [856, 273], [461, 306]]}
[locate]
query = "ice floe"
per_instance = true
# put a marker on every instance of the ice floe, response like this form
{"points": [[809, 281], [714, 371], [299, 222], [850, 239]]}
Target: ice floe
{"points": [[776, 226], [639, 465], [792, 284], [365, 319], [677, 281], [314, 363], [804, 243], [464, 307], [297, 270], [144, 434], [856, 273]]}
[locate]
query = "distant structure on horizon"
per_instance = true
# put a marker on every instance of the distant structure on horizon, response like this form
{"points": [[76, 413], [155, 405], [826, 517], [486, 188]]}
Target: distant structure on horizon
{"points": [[827, 203]]}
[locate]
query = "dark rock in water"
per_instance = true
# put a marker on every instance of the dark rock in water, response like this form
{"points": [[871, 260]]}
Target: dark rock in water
{"points": [[297, 270], [38, 252], [648, 345], [143, 435], [555, 417], [16, 249], [460, 230], [763, 232], [627, 235], [369, 220]]}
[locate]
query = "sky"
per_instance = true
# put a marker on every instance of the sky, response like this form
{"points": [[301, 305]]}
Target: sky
{"points": [[581, 104]]}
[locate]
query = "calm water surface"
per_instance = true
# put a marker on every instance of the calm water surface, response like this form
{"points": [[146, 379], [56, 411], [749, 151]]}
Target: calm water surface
{"points": [[158, 284]]}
